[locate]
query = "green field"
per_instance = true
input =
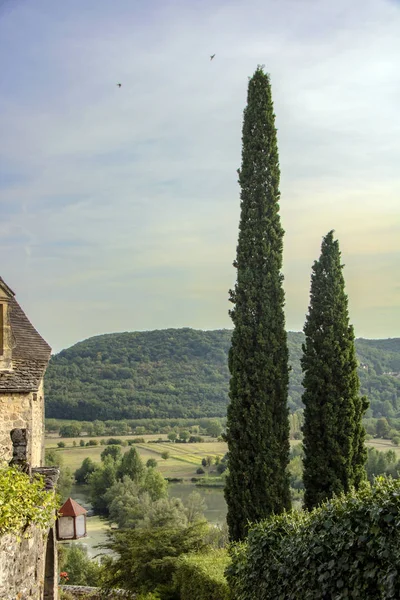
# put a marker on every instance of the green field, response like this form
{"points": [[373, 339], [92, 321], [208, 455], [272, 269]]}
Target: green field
{"points": [[383, 445], [183, 461]]}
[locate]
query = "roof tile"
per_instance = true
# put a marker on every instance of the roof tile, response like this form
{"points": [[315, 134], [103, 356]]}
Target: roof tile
{"points": [[30, 353]]}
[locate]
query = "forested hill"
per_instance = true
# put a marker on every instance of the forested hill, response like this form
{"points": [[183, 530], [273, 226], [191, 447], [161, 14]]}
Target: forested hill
{"points": [[184, 373]]}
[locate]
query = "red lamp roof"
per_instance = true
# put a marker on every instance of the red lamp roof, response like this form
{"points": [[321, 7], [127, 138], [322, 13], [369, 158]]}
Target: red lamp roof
{"points": [[70, 508]]}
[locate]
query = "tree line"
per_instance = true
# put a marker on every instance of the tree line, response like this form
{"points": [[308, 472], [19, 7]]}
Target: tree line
{"points": [[183, 373]]}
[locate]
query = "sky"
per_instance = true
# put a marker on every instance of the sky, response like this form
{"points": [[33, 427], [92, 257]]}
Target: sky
{"points": [[119, 207]]}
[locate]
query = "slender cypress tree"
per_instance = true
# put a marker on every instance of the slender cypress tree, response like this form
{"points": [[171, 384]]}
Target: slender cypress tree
{"points": [[334, 448], [258, 424]]}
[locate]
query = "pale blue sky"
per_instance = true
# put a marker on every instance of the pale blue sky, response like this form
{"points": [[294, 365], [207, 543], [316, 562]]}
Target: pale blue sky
{"points": [[120, 207]]}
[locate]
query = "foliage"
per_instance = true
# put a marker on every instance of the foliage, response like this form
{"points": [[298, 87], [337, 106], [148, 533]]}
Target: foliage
{"points": [[65, 595], [152, 375], [114, 442], [201, 576], [382, 428], [132, 466], [147, 558], [23, 500], [165, 512], [217, 536], [349, 547], [80, 568], [103, 477], [151, 463], [169, 373], [130, 506], [70, 430], [257, 426], [214, 428], [382, 463], [154, 484], [195, 507], [82, 474], [333, 441], [66, 478], [126, 504], [113, 451]]}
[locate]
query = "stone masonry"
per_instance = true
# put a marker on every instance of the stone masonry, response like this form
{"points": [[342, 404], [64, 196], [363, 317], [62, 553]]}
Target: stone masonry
{"points": [[28, 561], [24, 574]]}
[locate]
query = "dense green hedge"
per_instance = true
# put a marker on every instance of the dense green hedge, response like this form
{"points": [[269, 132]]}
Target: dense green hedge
{"points": [[201, 576], [23, 501], [347, 548]]}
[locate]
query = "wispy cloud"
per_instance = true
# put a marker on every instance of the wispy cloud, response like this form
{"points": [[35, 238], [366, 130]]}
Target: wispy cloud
{"points": [[120, 206]]}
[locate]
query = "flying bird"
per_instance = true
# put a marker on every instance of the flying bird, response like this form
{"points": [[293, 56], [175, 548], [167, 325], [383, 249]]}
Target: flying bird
{"points": [[212, 56], [119, 84]]}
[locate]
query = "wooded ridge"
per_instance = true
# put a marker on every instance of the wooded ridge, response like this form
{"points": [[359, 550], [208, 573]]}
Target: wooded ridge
{"points": [[173, 373]]}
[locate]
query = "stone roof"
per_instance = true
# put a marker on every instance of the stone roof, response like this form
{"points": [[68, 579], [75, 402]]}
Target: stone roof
{"points": [[30, 353]]}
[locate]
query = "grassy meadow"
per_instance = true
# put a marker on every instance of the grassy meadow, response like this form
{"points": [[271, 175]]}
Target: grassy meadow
{"points": [[183, 461]]}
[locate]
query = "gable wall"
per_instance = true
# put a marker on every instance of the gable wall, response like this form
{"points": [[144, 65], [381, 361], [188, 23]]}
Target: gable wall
{"points": [[23, 411]]}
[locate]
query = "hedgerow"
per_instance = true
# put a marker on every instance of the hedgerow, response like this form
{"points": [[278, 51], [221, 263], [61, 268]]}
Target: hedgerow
{"points": [[349, 547], [201, 576], [23, 501]]}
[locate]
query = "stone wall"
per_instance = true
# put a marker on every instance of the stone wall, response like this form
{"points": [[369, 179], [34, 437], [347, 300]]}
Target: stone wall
{"points": [[23, 411], [28, 566], [75, 592]]}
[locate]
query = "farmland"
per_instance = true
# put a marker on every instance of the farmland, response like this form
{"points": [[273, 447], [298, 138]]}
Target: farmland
{"points": [[183, 460], [182, 463]]}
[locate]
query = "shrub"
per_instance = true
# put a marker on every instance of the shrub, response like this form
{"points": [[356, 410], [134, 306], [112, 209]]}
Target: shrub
{"points": [[200, 471], [349, 547], [23, 501], [396, 440], [201, 576], [61, 444], [92, 443], [146, 558], [114, 442], [80, 568], [82, 474]]}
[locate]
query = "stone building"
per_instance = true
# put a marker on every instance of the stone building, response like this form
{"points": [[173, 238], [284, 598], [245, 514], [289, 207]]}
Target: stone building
{"points": [[24, 356], [27, 564]]}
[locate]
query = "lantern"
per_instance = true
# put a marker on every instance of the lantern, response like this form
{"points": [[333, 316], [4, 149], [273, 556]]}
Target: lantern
{"points": [[71, 523]]}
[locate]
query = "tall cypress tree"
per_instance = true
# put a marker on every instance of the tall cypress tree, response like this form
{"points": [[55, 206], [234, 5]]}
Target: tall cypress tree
{"points": [[334, 448], [258, 425]]}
